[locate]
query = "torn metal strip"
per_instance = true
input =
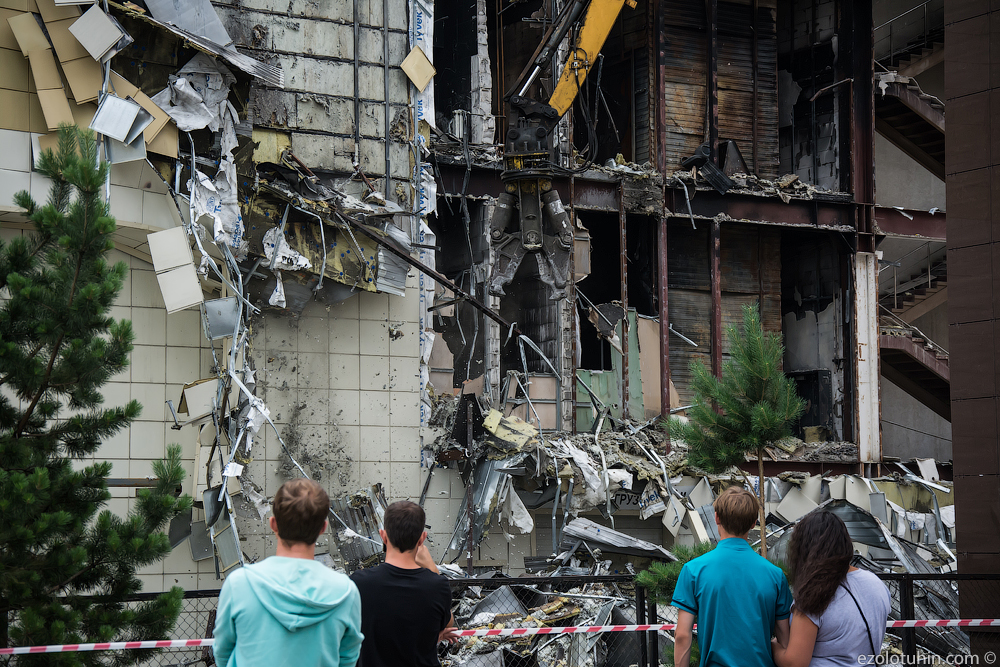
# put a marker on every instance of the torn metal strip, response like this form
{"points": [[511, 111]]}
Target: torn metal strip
{"points": [[272, 75]]}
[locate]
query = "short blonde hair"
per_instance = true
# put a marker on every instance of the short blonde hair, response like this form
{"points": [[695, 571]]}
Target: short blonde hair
{"points": [[737, 510]]}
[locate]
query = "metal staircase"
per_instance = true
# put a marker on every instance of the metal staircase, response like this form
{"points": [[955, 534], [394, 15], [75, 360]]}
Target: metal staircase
{"points": [[915, 363]]}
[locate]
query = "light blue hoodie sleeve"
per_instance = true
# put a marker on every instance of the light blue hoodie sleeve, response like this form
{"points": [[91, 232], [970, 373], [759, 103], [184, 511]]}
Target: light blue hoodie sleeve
{"points": [[225, 626], [350, 644]]}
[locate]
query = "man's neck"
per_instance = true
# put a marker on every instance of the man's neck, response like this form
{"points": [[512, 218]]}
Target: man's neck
{"points": [[295, 550], [406, 560], [723, 535]]}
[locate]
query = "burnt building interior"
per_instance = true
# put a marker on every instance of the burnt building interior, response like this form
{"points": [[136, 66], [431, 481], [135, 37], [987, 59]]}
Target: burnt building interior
{"points": [[717, 154]]}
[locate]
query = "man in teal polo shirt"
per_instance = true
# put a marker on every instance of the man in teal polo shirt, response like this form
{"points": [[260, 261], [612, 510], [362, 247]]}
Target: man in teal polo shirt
{"points": [[738, 598]]}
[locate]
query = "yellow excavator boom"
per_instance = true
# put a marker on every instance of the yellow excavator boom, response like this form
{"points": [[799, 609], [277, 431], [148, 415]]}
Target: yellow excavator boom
{"points": [[600, 17]]}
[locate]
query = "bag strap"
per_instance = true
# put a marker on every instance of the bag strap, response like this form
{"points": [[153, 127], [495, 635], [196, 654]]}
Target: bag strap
{"points": [[858, 605]]}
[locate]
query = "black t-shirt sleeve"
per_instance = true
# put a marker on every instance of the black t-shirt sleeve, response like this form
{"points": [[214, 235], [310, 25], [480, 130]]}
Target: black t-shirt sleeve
{"points": [[444, 591]]}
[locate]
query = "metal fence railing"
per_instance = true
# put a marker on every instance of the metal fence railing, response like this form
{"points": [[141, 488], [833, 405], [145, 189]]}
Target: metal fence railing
{"points": [[532, 602]]}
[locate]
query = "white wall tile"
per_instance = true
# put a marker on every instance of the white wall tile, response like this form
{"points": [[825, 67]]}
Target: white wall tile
{"points": [[152, 397], [407, 344], [344, 334], [404, 409], [115, 446], [374, 337], [150, 326], [146, 290], [15, 147], [126, 204], [12, 182], [184, 329], [374, 473], [404, 308], [345, 371], [374, 373], [405, 481], [183, 364], [148, 364], [313, 370], [373, 306], [40, 187], [404, 373], [345, 442], [404, 444], [374, 443], [313, 335], [156, 210], [146, 443], [375, 408]]}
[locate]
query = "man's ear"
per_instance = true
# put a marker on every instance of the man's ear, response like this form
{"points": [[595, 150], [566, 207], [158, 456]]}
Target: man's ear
{"points": [[423, 536], [382, 534], [717, 522], [273, 523]]}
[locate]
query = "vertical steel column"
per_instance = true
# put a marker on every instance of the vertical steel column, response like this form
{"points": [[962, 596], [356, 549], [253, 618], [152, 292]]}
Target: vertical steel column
{"points": [[714, 252], [652, 636], [469, 512], [661, 166], [712, 122], [385, 81], [573, 307], [623, 236], [664, 316], [862, 91], [907, 611], [640, 619]]}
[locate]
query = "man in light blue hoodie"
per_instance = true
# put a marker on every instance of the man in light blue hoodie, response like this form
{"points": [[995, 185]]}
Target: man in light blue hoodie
{"points": [[290, 609]]}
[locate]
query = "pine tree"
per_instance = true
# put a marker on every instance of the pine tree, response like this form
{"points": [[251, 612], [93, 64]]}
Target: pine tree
{"points": [[750, 407], [58, 346]]}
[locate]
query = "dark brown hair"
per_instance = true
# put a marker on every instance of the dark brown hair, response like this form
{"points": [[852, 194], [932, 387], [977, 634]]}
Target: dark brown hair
{"points": [[404, 524], [300, 509], [819, 555], [737, 509]]}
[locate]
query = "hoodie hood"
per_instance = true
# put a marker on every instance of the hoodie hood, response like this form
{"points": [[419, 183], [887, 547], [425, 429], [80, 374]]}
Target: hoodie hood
{"points": [[297, 592]]}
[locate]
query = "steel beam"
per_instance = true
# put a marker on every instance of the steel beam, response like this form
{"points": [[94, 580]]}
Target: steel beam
{"points": [[908, 222], [623, 262], [715, 262]]}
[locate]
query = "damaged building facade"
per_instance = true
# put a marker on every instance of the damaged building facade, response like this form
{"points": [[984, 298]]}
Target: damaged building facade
{"points": [[321, 284]]}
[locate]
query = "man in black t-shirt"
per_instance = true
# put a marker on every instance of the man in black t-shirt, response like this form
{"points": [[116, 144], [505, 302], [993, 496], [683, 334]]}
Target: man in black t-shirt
{"points": [[405, 603]]}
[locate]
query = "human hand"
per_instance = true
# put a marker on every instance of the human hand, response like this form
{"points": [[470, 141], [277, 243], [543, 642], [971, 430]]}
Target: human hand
{"points": [[449, 634]]}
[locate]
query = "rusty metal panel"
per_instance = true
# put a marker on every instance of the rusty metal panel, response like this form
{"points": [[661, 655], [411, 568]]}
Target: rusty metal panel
{"points": [[684, 77], [738, 103], [688, 258]]}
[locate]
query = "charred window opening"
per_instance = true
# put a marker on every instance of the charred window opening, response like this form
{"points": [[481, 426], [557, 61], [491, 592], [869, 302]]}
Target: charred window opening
{"points": [[528, 302], [461, 247], [456, 22], [813, 61], [603, 285], [813, 320]]}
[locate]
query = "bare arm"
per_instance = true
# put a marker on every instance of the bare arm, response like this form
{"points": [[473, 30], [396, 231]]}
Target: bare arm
{"points": [[682, 638], [424, 560], [448, 634], [781, 632], [801, 641]]}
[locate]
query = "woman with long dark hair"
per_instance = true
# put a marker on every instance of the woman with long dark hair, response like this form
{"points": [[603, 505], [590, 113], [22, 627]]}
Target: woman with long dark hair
{"points": [[839, 614]]}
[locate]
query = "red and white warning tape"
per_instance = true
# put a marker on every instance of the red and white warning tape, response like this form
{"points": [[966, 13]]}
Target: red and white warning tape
{"points": [[496, 632]]}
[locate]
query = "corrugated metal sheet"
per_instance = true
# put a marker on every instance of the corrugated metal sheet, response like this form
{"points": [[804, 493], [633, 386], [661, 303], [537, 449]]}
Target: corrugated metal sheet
{"points": [[685, 72], [751, 266]]}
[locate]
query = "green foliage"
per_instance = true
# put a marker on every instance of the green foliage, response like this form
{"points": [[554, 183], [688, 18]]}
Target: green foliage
{"points": [[58, 346], [661, 577], [752, 405]]}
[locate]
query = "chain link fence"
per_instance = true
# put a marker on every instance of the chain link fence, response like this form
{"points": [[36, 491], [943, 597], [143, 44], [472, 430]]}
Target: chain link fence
{"points": [[530, 602]]}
